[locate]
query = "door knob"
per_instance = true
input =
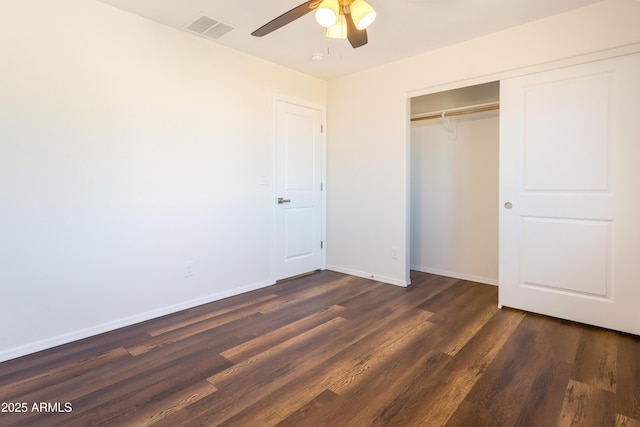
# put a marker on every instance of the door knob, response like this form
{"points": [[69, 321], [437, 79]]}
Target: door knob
{"points": [[281, 200], [508, 205]]}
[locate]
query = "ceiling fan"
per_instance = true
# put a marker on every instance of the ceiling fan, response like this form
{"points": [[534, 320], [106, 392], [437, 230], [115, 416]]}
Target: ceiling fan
{"points": [[342, 19]]}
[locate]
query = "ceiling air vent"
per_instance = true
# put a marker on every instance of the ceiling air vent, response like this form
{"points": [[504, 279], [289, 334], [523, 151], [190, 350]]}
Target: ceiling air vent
{"points": [[209, 27]]}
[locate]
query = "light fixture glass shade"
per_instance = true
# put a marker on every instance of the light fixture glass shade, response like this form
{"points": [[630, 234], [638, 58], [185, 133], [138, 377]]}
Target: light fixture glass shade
{"points": [[327, 13], [338, 31], [362, 13]]}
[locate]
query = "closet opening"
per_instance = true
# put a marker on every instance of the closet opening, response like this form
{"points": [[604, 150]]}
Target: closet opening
{"points": [[454, 150]]}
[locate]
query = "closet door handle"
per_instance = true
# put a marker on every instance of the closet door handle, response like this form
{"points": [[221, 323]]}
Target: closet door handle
{"points": [[508, 205], [281, 200]]}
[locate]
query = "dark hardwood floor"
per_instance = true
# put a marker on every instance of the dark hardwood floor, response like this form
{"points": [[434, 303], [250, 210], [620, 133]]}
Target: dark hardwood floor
{"points": [[334, 350]]}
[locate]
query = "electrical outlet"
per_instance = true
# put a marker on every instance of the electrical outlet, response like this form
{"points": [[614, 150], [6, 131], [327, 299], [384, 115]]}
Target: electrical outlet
{"points": [[394, 252], [188, 268]]}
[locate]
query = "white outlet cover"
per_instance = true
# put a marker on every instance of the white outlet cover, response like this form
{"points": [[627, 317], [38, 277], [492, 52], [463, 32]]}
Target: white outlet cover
{"points": [[188, 268]]}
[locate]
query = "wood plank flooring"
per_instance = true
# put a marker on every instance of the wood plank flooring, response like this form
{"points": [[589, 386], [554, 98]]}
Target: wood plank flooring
{"points": [[335, 350]]}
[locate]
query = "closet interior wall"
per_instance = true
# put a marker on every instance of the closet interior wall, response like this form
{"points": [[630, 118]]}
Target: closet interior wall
{"points": [[454, 185]]}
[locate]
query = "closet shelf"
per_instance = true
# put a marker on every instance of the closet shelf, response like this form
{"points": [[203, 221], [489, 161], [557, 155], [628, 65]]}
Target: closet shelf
{"points": [[470, 109]]}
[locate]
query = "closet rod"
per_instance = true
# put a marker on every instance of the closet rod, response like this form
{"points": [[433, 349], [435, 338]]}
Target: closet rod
{"points": [[457, 111]]}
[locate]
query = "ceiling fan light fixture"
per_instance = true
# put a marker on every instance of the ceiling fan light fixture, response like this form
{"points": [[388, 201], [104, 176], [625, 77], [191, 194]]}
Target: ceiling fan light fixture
{"points": [[363, 14], [339, 30], [327, 13]]}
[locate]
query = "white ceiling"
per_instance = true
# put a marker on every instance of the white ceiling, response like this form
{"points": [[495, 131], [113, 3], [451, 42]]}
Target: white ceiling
{"points": [[402, 28]]}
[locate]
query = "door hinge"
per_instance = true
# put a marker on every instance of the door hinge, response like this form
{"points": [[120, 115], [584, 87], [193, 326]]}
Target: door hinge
{"points": [[321, 244], [321, 128], [321, 187]]}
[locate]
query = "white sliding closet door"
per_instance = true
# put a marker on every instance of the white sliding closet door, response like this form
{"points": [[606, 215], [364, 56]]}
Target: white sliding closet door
{"points": [[570, 193]]}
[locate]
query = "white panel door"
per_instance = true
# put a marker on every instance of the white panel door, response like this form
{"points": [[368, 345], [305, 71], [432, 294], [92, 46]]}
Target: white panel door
{"points": [[570, 193], [298, 201]]}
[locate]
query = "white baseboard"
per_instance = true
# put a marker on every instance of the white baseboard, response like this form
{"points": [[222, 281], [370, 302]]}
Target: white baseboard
{"points": [[127, 321], [366, 275], [456, 275]]}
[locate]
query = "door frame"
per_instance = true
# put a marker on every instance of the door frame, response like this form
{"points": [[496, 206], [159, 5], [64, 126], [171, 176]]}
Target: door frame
{"points": [[323, 171]]}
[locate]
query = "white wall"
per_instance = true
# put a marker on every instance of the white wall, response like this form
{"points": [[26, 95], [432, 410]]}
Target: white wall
{"points": [[454, 197], [127, 148], [368, 129]]}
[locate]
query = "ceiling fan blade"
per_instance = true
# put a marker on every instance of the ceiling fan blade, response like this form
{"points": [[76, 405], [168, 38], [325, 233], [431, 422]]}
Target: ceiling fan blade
{"points": [[355, 36], [286, 18]]}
